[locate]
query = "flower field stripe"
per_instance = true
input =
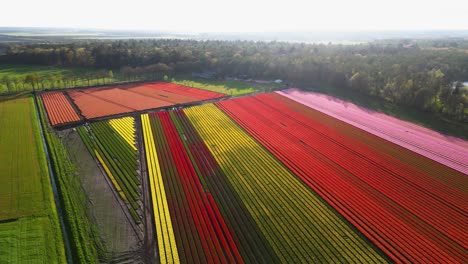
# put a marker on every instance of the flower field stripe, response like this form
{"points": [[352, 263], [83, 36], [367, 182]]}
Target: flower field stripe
{"points": [[117, 157], [252, 243], [222, 230], [399, 175], [224, 233], [207, 244], [92, 107], [268, 230], [442, 173], [310, 239], [187, 173], [165, 234], [299, 226], [256, 123], [126, 128], [188, 240], [328, 155], [170, 97], [360, 224], [449, 151], [399, 183], [403, 184], [112, 100]]}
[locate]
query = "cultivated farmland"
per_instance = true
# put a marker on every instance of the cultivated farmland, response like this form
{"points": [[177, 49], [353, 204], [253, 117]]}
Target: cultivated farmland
{"points": [[112, 144], [448, 151], [423, 208], [29, 225], [94, 103], [276, 177], [59, 109], [211, 169]]}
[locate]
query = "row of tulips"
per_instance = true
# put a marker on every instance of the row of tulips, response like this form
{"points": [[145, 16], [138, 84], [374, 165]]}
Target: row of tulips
{"points": [[450, 151], [390, 202], [200, 231], [297, 224]]}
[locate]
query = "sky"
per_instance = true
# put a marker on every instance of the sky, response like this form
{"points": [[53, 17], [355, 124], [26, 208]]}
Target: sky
{"points": [[239, 15]]}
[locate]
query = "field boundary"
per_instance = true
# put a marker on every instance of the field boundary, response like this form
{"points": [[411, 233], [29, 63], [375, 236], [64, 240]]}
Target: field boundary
{"points": [[58, 204]]}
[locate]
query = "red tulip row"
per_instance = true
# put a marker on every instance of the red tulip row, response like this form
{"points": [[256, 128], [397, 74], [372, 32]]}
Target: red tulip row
{"points": [[435, 170], [252, 244], [450, 151], [187, 239], [407, 214], [210, 240]]}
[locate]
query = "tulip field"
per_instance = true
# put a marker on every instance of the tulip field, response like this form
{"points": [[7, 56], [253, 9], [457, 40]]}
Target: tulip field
{"points": [[225, 199], [278, 177], [59, 109], [411, 215], [446, 150], [267, 179]]}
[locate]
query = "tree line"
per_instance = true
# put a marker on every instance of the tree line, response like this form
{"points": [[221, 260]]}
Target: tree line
{"points": [[425, 76]]}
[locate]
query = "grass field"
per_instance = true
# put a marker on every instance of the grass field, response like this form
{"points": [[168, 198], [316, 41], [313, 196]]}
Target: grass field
{"points": [[229, 87], [29, 227]]}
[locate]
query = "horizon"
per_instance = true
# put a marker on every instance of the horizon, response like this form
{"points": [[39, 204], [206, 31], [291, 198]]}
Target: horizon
{"points": [[243, 16]]}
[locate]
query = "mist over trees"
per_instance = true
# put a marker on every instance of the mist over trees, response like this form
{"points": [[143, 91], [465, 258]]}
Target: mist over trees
{"points": [[425, 77]]}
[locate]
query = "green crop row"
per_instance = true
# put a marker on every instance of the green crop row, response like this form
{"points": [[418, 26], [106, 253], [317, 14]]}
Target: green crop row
{"points": [[119, 158]]}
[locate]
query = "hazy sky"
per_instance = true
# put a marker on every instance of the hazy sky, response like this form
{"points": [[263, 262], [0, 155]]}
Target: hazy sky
{"points": [[239, 15]]}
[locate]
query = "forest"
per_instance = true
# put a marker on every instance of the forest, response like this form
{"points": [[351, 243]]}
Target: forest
{"points": [[425, 75]]}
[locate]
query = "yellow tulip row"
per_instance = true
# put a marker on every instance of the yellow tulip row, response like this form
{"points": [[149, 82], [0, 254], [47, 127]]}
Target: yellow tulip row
{"points": [[112, 178], [126, 128], [297, 223], [165, 234]]}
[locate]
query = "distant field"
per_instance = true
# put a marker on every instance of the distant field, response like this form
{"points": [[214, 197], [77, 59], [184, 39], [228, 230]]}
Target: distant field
{"points": [[229, 87], [50, 77], [29, 228]]}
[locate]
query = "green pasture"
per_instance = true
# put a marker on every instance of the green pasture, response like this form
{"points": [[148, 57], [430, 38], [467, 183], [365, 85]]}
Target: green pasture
{"points": [[229, 87], [29, 227]]}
